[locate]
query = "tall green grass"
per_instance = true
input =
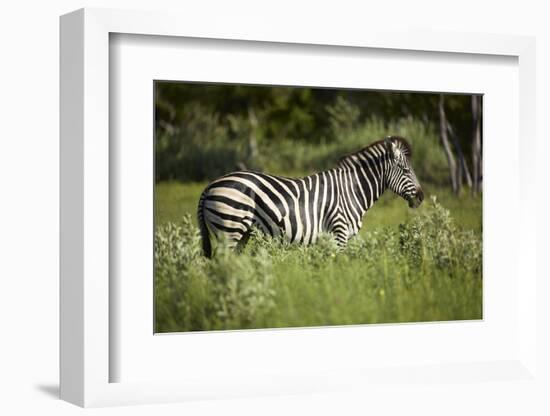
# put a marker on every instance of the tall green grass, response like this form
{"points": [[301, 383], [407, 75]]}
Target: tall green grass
{"points": [[424, 269]]}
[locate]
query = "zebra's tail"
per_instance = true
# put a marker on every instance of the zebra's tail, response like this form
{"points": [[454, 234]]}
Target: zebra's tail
{"points": [[205, 236]]}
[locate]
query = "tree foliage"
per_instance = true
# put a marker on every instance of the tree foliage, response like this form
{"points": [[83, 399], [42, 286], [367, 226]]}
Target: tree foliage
{"points": [[204, 130]]}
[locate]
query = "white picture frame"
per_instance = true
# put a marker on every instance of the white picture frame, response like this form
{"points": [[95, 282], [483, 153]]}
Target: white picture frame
{"points": [[85, 353]]}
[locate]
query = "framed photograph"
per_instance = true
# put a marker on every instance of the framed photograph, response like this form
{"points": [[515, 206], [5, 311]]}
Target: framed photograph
{"points": [[323, 219], [277, 213]]}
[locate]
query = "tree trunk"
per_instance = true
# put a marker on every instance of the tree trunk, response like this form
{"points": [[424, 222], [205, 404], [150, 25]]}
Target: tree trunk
{"points": [[446, 145], [253, 152], [462, 166], [476, 144]]}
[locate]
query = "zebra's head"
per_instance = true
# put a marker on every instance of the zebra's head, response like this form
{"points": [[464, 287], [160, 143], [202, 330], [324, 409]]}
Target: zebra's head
{"points": [[400, 176]]}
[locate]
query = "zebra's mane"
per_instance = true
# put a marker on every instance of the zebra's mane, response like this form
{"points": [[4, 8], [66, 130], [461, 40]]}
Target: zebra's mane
{"points": [[401, 142]]}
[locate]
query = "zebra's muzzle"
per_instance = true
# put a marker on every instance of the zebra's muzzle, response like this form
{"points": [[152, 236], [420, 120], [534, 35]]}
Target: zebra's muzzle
{"points": [[416, 199]]}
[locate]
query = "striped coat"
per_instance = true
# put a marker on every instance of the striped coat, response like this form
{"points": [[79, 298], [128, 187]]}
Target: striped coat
{"points": [[299, 209]]}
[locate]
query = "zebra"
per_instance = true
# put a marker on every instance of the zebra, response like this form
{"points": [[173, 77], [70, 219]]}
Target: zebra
{"points": [[299, 209]]}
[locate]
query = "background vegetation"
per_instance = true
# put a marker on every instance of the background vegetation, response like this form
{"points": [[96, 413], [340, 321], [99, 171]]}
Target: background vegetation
{"points": [[204, 130], [406, 265]]}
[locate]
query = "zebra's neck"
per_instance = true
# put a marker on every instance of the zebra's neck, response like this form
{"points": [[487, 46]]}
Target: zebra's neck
{"points": [[364, 172]]}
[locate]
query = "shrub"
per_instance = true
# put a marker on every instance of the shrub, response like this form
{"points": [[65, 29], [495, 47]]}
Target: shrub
{"points": [[343, 117], [201, 147], [242, 287], [427, 269], [193, 293], [433, 235]]}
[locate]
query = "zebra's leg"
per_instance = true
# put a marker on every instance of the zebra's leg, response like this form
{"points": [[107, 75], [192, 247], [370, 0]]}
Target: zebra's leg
{"points": [[340, 230], [228, 228], [231, 241], [341, 238], [243, 241], [274, 231], [237, 241]]}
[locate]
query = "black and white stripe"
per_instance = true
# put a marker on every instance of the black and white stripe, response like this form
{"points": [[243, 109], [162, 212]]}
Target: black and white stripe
{"points": [[299, 209]]}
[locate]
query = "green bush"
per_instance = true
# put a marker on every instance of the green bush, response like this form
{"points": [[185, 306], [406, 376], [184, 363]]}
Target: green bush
{"points": [[426, 269], [193, 293], [201, 147], [432, 235]]}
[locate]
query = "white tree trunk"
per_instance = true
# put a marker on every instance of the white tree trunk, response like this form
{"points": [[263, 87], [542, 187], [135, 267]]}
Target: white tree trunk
{"points": [[476, 145], [446, 145]]}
